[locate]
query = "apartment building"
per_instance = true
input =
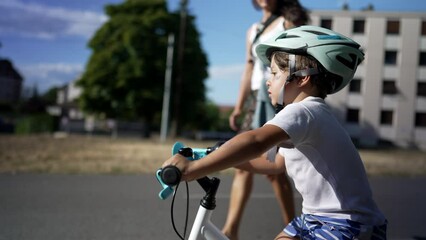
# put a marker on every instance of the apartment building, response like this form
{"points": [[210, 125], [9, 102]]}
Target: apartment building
{"points": [[386, 101]]}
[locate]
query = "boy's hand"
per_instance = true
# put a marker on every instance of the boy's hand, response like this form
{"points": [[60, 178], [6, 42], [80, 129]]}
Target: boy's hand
{"points": [[180, 162]]}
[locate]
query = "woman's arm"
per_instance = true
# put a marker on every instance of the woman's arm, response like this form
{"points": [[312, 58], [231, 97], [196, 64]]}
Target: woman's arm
{"points": [[245, 85]]}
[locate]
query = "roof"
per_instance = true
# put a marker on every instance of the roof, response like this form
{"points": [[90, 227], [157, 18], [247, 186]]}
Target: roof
{"points": [[7, 70]]}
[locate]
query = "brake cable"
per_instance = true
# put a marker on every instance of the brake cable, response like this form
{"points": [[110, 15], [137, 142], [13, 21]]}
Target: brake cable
{"points": [[187, 211]]}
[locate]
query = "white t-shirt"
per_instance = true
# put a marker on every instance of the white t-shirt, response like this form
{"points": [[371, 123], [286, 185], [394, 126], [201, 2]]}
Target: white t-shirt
{"points": [[260, 71], [324, 164]]}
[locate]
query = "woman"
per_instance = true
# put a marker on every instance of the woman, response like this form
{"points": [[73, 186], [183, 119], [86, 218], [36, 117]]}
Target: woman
{"points": [[253, 95]]}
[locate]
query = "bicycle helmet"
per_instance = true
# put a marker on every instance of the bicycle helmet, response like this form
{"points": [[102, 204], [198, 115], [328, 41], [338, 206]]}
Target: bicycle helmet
{"points": [[337, 54]]}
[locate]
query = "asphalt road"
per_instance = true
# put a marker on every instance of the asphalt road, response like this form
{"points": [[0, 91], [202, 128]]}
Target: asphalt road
{"points": [[125, 207]]}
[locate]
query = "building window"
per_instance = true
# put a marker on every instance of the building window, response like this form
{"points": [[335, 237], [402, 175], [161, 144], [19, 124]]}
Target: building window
{"points": [[355, 85], [422, 59], [326, 23], [421, 89], [352, 115], [424, 28], [389, 87], [390, 57], [359, 26], [392, 27], [420, 119], [386, 117]]}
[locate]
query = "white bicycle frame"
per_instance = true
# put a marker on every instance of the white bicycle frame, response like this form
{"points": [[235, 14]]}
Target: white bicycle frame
{"points": [[203, 228]]}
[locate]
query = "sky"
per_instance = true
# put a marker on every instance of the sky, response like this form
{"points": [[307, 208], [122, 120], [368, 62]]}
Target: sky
{"points": [[46, 40]]}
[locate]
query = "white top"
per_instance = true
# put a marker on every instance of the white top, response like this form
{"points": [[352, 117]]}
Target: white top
{"points": [[260, 72], [325, 165]]}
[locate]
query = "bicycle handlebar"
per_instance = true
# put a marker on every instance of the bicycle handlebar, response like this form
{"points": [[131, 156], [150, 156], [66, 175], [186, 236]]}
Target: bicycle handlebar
{"points": [[170, 176]]}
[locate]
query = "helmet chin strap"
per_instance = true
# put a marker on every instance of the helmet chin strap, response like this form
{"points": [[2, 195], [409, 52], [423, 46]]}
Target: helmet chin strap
{"points": [[270, 155], [292, 67]]}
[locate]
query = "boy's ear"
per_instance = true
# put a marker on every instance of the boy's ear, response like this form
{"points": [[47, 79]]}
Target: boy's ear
{"points": [[302, 81]]}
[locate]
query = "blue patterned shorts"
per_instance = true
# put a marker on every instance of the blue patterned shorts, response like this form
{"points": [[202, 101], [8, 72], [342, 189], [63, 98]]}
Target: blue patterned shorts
{"points": [[310, 226]]}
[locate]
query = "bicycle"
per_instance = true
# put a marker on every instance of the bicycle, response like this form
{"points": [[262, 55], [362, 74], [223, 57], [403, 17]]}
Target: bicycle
{"points": [[170, 176]]}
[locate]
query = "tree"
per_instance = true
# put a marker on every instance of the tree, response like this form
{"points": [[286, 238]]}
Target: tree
{"points": [[124, 77], [50, 96]]}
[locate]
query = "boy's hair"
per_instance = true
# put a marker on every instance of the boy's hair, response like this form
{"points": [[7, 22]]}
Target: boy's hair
{"points": [[305, 62]]}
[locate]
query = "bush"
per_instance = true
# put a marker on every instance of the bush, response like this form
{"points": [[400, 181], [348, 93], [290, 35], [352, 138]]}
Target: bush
{"points": [[39, 123]]}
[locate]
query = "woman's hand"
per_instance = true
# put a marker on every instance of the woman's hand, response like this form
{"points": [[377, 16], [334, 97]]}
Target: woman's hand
{"points": [[233, 119]]}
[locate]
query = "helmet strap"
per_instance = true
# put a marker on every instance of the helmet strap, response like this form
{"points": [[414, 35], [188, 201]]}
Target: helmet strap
{"points": [[280, 102], [306, 72], [292, 74], [292, 67]]}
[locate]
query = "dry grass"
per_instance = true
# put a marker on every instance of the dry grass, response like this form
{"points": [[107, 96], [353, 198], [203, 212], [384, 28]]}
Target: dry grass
{"points": [[394, 162], [81, 154], [76, 154]]}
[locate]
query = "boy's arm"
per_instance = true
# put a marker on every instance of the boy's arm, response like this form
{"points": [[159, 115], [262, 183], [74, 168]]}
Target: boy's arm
{"points": [[242, 148], [262, 165]]}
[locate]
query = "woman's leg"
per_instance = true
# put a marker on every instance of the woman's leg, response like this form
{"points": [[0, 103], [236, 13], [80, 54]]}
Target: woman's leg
{"points": [[284, 195], [240, 193]]}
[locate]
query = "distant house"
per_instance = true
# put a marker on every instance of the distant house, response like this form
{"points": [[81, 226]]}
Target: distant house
{"points": [[66, 99], [66, 105], [10, 82]]}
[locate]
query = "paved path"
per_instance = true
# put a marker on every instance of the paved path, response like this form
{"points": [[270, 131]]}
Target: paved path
{"points": [[47, 207]]}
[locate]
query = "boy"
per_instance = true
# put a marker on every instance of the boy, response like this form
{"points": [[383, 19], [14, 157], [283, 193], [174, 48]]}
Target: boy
{"points": [[307, 63]]}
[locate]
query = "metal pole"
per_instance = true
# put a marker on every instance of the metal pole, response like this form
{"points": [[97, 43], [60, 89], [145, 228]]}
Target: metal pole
{"points": [[179, 73], [167, 84]]}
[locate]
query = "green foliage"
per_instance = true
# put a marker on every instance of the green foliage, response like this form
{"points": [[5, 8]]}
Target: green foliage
{"points": [[49, 97], [39, 123], [124, 77], [210, 119], [193, 99], [34, 104], [223, 123], [6, 107]]}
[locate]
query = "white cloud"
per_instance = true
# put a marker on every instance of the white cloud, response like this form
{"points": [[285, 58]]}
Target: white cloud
{"points": [[47, 75], [226, 72], [41, 21], [223, 83], [45, 69]]}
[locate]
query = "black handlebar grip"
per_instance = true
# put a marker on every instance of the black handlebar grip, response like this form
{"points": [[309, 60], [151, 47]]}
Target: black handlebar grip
{"points": [[171, 175]]}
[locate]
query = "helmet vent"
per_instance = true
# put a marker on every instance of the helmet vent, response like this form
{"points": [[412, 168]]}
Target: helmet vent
{"points": [[350, 64], [329, 37], [316, 32], [288, 36]]}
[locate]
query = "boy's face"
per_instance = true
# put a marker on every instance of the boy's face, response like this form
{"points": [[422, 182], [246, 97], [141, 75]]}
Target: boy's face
{"points": [[276, 82]]}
